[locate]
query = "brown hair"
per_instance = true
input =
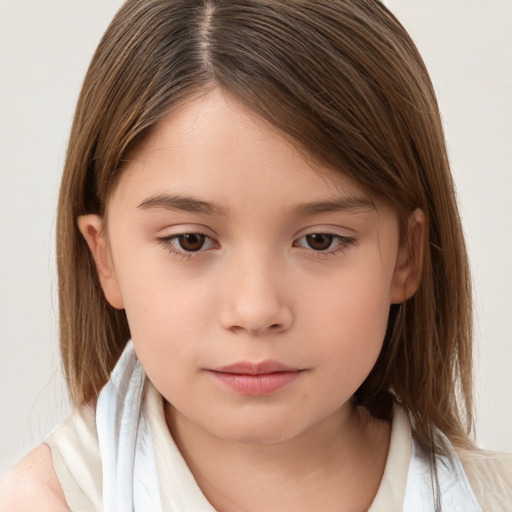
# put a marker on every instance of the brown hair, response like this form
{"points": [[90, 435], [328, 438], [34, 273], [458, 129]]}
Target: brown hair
{"points": [[345, 81]]}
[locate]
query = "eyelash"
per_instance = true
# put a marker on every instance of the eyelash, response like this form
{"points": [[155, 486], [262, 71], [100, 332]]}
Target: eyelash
{"points": [[343, 242], [168, 243]]}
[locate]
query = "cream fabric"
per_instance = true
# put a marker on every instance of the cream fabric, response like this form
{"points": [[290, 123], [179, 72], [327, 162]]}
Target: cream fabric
{"points": [[76, 459], [490, 476], [391, 492], [77, 462]]}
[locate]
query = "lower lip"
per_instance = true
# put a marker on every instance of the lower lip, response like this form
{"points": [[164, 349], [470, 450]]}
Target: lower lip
{"points": [[257, 385]]}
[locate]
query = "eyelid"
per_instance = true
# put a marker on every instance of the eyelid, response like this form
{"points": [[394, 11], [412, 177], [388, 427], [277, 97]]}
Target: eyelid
{"points": [[167, 241], [343, 243], [345, 235]]}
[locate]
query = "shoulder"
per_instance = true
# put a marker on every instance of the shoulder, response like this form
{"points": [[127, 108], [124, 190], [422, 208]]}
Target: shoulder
{"points": [[32, 485], [68, 466], [490, 476]]}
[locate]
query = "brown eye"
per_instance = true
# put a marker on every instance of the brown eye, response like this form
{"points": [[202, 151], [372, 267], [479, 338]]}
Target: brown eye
{"points": [[319, 241], [191, 242], [186, 245], [324, 244]]}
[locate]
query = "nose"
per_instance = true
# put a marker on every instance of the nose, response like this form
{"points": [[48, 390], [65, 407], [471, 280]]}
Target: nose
{"points": [[255, 298]]}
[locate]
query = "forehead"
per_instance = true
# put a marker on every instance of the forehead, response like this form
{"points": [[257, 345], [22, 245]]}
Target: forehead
{"points": [[214, 147]]}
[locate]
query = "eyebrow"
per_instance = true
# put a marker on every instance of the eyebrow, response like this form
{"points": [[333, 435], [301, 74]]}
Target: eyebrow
{"points": [[342, 204], [182, 203], [190, 204]]}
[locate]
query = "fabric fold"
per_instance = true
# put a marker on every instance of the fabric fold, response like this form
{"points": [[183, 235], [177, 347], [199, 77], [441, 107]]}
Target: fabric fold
{"points": [[132, 472], [130, 482]]}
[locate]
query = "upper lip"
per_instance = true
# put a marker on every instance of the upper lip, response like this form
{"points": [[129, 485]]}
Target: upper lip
{"points": [[250, 368]]}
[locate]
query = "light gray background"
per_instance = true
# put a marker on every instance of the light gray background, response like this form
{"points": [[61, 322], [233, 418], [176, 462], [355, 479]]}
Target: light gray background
{"points": [[45, 47]]}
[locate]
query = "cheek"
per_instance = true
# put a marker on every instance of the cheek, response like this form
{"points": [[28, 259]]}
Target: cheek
{"points": [[353, 317], [169, 316], [157, 314], [168, 337], [158, 291]]}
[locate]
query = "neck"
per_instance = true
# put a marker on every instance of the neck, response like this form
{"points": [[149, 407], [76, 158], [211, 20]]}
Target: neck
{"points": [[337, 464]]}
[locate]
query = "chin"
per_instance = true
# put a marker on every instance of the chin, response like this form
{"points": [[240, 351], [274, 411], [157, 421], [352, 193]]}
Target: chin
{"points": [[259, 431]]}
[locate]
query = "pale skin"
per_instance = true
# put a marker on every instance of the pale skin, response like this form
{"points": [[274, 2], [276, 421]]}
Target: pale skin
{"points": [[283, 260]]}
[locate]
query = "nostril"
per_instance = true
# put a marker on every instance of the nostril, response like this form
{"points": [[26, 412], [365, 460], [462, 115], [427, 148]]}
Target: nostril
{"points": [[255, 315]]}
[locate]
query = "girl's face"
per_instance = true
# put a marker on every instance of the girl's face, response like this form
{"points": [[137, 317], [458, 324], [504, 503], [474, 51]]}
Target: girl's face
{"points": [[257, 287]]}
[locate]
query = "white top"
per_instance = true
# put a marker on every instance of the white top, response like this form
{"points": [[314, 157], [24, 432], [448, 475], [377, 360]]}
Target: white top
{"points": [[124, 447], [77, 462]]}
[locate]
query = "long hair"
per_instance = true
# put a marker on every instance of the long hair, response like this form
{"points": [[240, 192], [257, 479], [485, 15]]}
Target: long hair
{"points": [[344, 80]]}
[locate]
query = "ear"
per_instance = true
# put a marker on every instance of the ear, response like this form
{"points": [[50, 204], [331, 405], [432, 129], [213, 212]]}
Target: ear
{"points": [[409, 264], [91, 227]]}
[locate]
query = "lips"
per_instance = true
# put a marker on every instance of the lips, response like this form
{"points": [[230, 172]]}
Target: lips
{"points": [[262, 368], [256, 379]]}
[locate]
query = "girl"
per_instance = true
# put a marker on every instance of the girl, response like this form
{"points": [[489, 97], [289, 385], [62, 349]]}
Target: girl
{"points": [[264, 290]]}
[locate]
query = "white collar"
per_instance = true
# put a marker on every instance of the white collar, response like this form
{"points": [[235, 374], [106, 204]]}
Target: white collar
{"points": [[143, 470]]}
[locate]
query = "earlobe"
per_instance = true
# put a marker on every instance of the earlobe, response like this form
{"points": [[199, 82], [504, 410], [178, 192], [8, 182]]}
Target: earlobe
{"points": [[91, 227], [409, 265]]}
